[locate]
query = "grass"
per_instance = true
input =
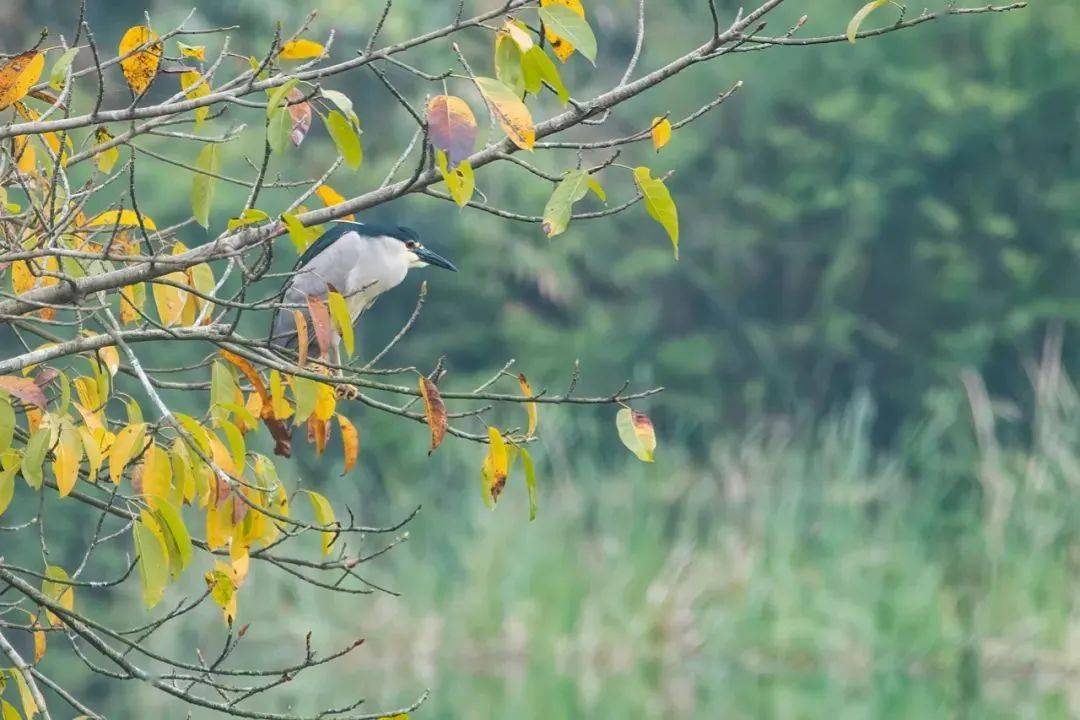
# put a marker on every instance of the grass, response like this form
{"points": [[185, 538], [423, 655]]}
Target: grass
{"points": [[792, 572]]}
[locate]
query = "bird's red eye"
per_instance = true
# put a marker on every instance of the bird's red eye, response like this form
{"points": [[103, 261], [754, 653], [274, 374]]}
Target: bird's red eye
{"points": [[412, 244]]}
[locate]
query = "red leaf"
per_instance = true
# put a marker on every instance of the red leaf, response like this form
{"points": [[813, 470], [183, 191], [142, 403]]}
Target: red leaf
{"points": [[320, 318], [301, 116], [452, 127], [23, 388]]}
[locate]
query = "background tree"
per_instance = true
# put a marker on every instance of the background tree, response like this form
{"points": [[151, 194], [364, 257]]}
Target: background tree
{"points": [[95, 436]]}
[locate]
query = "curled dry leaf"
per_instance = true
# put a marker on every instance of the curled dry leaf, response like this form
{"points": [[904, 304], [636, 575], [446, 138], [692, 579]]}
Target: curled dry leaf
{"points": [[434, 410]]}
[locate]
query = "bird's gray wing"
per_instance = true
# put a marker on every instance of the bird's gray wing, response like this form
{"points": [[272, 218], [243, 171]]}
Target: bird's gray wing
{"points": [[329, 268]]}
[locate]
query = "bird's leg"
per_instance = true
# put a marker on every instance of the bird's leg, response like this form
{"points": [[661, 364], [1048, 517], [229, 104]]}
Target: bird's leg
{"points": [[343, 390]]}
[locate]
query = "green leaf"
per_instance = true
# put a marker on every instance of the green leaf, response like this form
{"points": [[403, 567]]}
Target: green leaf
{"points": [[60, 69], [559, 206], [7, 486], [235, 439], [248, 217], [346, 138], [530, 481], [324, 516], [34, 457], [26, 698], [153, 564], [7, 421], [575, 29], [508, 58], [176, 534], [862, 14], [278, 129], [306, 393], [202, 186], [539, 69], [339, 311], [659, 203], [277, 96]]}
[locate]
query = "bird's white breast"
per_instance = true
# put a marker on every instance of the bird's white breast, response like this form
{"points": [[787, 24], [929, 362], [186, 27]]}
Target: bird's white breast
{"points": [[381, 264]]}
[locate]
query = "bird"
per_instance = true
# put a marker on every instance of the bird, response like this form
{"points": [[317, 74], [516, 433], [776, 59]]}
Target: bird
{"points": [[360, 261]]}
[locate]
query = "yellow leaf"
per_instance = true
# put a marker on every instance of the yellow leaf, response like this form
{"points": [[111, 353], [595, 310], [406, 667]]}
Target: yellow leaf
{"points": [[92, 448], [18, 75], [495, 469], [862, 14], [110, 356], [39, 644], [514, 118], [25, 155], [141, 67], [534, 415], [106, 159], [191, 82], [156, 476], [193, 51], [300, 50], [562, 47], [170, 300], [350, 440], [434, 410], [637, 434], [331, 197], [129, 441], [132, 301], [68, 456], [324, 517], [325, 402], [223, 589], [22, 280], [121, 217], [339, 312], [460, 181], [26, 698], [661, 132]]}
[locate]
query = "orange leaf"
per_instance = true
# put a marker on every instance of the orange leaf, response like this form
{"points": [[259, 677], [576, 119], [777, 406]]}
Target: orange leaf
{"points": [[534, 416], [435, 411], [350, 440], [320, 318]]}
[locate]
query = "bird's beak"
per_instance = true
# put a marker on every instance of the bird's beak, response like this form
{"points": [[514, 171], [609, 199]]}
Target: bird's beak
{"points": [[433, 258]]}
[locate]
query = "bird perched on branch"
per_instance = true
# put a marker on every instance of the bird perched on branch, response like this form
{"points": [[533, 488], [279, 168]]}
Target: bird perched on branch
{"points": [[358, 260]]}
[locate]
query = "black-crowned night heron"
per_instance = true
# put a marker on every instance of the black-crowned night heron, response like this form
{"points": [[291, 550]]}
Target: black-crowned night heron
{"points": [[359, 260]]}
